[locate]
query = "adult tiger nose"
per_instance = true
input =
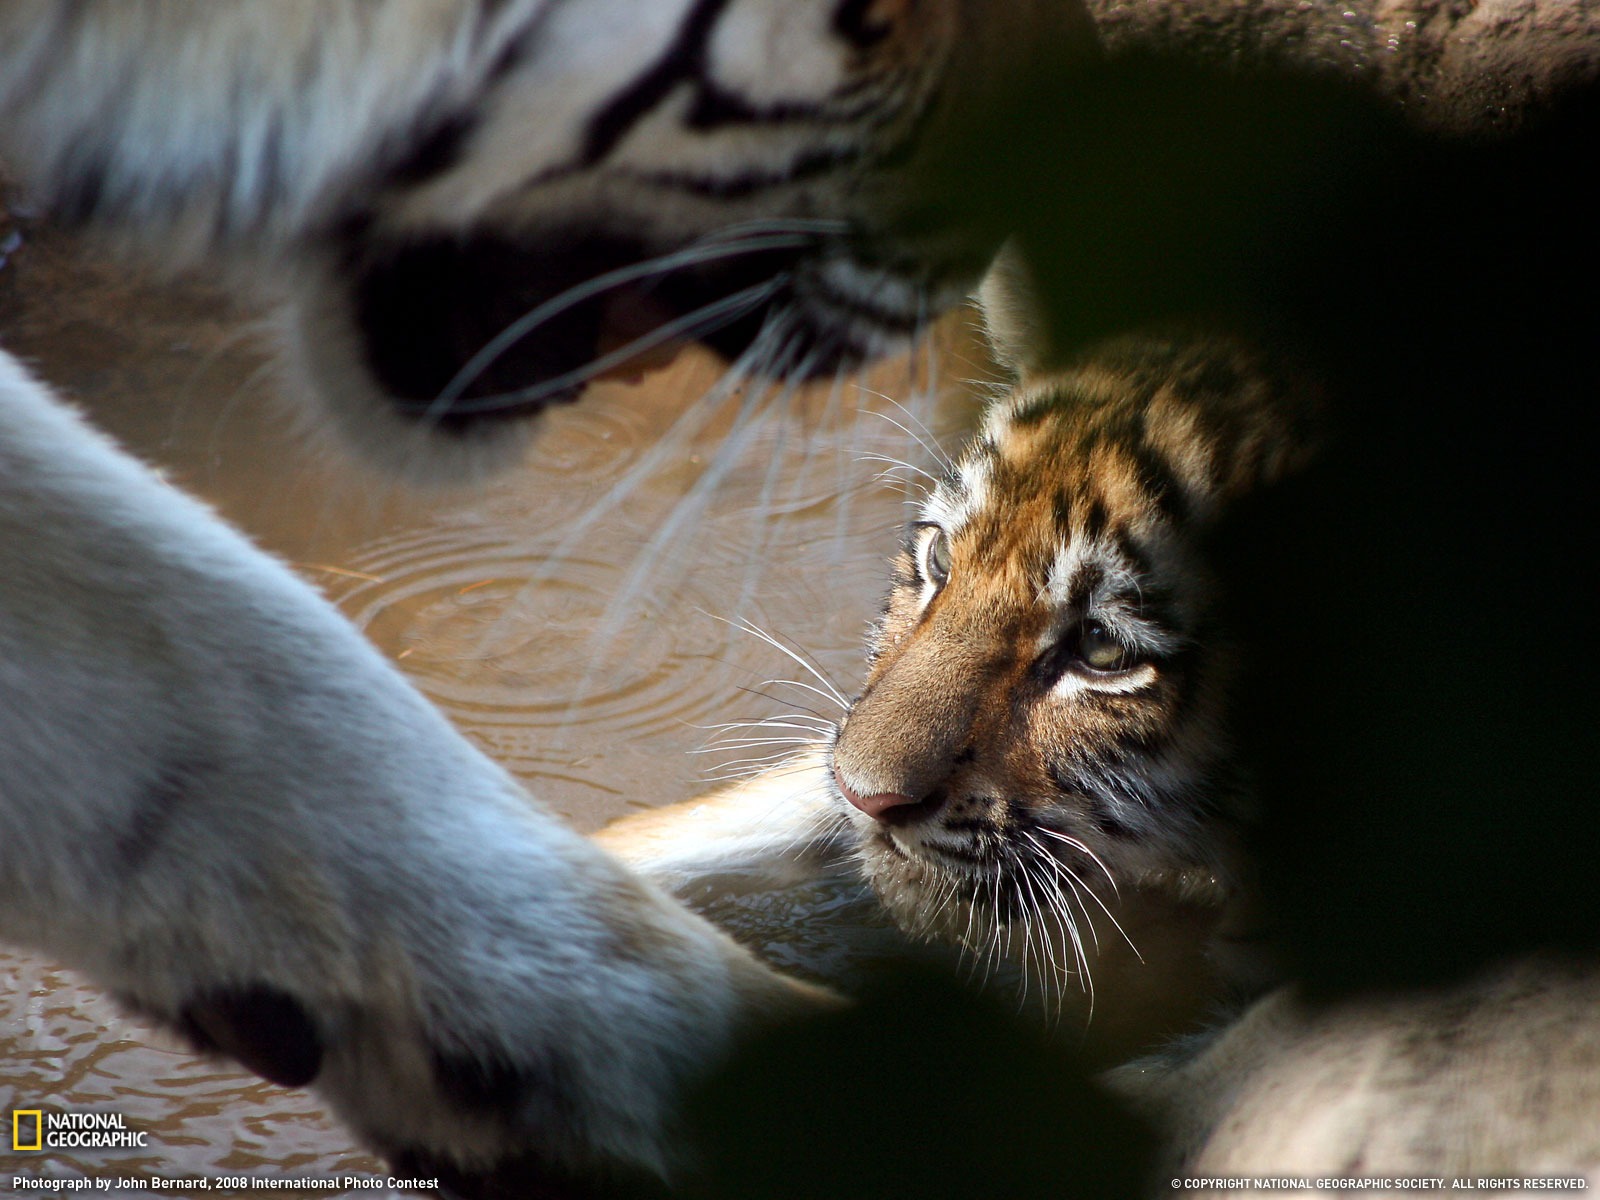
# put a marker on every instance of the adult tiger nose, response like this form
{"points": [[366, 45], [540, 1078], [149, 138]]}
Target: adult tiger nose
{"points": [[875, 805]]}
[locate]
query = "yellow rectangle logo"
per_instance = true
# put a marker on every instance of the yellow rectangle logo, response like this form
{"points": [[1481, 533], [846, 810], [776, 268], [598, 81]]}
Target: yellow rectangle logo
{"points": [[38, 1128]]}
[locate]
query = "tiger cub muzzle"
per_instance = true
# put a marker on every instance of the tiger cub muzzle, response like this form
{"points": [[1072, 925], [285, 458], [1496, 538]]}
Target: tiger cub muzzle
{"points": [[911, 742]]}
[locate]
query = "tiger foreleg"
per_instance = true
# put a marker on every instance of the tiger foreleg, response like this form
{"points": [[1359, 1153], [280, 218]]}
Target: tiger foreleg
{"points": [[218, 801]]}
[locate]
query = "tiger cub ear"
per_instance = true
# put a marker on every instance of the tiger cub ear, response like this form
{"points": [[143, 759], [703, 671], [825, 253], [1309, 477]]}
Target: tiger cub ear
{"points": [[1013, 319]]}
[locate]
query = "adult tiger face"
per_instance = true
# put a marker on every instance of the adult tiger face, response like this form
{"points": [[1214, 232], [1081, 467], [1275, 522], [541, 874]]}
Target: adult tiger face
{"points": [[632, 176], [479, 206], [735, 172]]}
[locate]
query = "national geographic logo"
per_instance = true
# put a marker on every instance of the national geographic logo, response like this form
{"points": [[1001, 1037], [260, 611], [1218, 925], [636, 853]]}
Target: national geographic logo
{"points": [[36, 1129]]}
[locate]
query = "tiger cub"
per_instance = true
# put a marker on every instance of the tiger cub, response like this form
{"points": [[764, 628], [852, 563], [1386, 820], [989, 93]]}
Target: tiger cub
{"points": [[1037, 768], [1037, 762]]}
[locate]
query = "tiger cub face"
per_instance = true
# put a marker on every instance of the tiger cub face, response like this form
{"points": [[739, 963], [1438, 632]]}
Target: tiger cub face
{"points": [[1040, 737]]}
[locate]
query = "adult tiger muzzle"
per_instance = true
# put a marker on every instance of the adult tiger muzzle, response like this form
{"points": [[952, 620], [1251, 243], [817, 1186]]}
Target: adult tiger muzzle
{"points": [[461, 331]]}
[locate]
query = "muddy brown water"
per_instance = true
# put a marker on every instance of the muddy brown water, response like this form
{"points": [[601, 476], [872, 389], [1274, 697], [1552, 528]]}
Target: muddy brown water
{"points": [[488, 601]]}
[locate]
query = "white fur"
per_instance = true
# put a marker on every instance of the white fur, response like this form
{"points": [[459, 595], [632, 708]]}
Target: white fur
{"points": [[770, 825], [210, 780]]}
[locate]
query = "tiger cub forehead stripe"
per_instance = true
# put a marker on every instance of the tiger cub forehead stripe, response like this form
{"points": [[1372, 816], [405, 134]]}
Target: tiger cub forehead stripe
{"points": [[1108, 579], [954, 501], [1088, 571]]}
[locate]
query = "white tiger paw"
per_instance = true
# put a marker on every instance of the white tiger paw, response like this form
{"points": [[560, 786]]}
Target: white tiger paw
{"points": [[222, 804], [535, 1041], [380, 913]]}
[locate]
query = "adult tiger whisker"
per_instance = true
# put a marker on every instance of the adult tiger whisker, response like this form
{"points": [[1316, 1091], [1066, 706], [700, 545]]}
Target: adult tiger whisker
{"points": [[697, 500], [700, 321], [771, 343], [685, 427], [750, 238]]}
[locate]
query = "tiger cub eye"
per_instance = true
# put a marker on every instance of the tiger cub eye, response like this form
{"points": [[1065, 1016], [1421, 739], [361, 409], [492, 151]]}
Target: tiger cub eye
{"points": [[1100, 651], [938, 558]]}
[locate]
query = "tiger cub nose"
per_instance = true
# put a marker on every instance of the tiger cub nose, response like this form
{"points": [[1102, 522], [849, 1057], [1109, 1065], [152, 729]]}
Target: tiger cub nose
{"points": [[882, 806]]}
